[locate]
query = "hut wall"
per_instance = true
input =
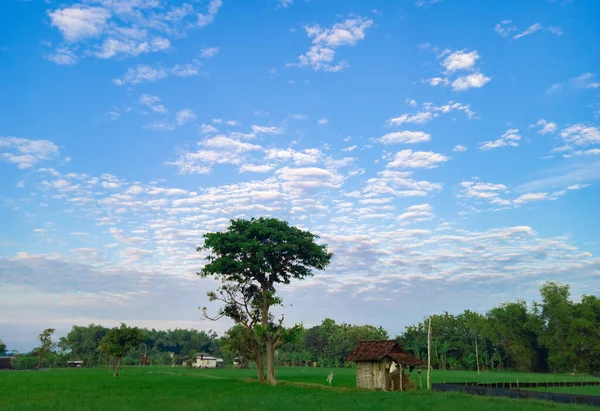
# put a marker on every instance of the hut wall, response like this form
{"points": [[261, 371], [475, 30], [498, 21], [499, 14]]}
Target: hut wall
{"points": [[371, 375], [364, 374]]}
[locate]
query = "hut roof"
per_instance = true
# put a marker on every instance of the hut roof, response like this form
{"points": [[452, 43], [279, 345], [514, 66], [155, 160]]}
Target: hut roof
{"points": [[378, 350]]}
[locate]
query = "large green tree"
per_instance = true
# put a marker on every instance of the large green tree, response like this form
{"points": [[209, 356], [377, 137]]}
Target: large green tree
{"points": [[119, 341], [258, 255], [2, 347]]}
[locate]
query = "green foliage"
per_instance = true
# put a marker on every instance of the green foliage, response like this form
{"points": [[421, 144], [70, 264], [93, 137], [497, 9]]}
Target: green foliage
{"points": [[2, 347], [238, 341], [24, 362], [250, 259], [120, 340], [82, 344], [267, 250], [556, 335], [46, 345]]}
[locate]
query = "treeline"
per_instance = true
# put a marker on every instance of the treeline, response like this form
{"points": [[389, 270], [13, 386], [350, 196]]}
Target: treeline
{"points": [[159, 347], [553, 335]]}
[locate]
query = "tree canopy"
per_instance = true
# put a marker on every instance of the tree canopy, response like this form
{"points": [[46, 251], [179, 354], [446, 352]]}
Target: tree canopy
{"points": [[119, 341], [250, 259]]}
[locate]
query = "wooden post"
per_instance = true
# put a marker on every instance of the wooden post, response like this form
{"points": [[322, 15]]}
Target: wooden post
{"points": [[401, 375], [420, 378], [477, 355], [429, 355]]}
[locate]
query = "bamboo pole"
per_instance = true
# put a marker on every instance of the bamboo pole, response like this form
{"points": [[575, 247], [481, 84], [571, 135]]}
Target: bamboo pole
{"points": [[477, 355], [401, 375], [429, 355]]}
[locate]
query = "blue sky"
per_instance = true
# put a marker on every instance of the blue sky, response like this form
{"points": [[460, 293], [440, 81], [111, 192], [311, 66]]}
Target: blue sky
{"points": [[448, 152]]}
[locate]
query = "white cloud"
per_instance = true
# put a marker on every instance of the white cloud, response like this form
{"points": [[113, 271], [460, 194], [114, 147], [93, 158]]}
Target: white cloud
{"points": [[322, 121], [509, 138], [252, 168], [350, 148], [260, 112], [284, 3], [184, 116], [584, 81], [581, 134], [460, 60], [459, 149], [325, 42], [579, 153], [207, 129], [266, 130], [26, 153], [63, 56], [160, 125], [417, 159], [530, 30], [527, 198], [418, 118], [545, 127], [421, 3], [123, 28], [186, 70], [399, 184], [429, 112], [226, 143], [80, 22], [505, 27], [474, 80], [141, 73], [437, 81], [483, 191], [416, 214], [405, 137], [309, 177], [153, 103], [209, 52]]}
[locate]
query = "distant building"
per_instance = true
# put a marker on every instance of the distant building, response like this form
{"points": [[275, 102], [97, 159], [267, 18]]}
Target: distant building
{"points": [[74, 364], [380, 365], [205, 360], [6, 363]]}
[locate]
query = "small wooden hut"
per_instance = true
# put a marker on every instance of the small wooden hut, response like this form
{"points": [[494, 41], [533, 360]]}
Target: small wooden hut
{"points": [[380, 365]]}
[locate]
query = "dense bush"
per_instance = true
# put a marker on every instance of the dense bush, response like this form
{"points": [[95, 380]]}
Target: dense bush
{"points": [[24, 362]]}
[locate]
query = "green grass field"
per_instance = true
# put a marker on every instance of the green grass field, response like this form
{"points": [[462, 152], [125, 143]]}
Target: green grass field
{"points": [[165, 388]]}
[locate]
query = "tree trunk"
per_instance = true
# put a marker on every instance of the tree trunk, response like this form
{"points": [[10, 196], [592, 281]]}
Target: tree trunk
{"points": [[429, 355], [259, 366], [117, 367], [270, 362]]}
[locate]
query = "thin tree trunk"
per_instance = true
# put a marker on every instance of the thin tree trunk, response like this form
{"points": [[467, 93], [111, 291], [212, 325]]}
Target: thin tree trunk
{"points": [[477, 355], [117, 367], [270, 363], [429, 355], [259, 366]]}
